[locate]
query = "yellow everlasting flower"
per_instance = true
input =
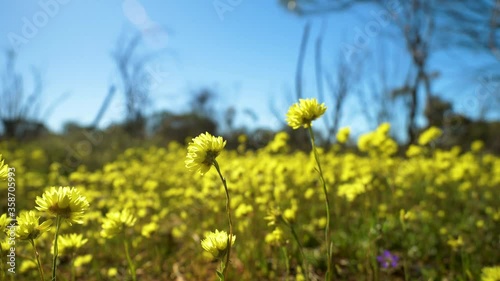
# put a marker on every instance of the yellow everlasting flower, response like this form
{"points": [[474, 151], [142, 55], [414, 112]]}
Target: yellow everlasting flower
{"points": [[455, 244], [477, 145], [302, 114], [4, 169], [115, 223], [4, 222], [275, 238], [343, 134], [490, 273], [202, 152], [429, 135], [65, 202], [29, 228], [216, 243], [82, 260], [69, 243]]}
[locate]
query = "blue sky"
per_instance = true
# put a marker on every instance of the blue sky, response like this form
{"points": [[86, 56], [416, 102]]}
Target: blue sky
{"points": [[246, 54]]}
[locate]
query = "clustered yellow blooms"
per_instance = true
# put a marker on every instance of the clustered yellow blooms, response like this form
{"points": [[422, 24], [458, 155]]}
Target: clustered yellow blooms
{"points": [[65, 202], [116, 222], [370, 186], [216, 243], [490, 273], [302, 114], [378, 143], [202, 152]]}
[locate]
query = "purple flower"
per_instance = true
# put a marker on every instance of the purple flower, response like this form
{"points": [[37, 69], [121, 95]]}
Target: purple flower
{"points": [[388, 260]]}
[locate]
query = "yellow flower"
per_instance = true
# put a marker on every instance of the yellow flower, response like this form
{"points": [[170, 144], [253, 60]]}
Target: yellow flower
{"points": [[4, 169], [115, 223], [302, 114], [477, 146], [455, 244], [343, 134], [216, 243], [112, 272], [69, 243], [273, 217], [202, 152], [429, 135], [5, 244], [275, 238], [29, 228], [27, 265], [149, 228], [490, 273], [4, 222], [65, 202], [82, 260]]}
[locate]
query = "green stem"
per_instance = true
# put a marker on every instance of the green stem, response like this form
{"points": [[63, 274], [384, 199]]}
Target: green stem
{"points": [[329, 273], [228, 210], [73, 269], [287, 262], [40, 269], [129, 260], [405, 269], [301, 249], [56, 249]]}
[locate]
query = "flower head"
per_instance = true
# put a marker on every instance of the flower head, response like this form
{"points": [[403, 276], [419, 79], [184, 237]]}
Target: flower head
{"points": [[477, 146], [455, 244], [4, 222], [343, 134], [275, 238], [65, 202], [115, 223], [216, 243], [429, 135], [29, 228], [490, 273], [69, 243], [4, 169], [202, 152], [82, 260], [388, 260], [302, 114]]}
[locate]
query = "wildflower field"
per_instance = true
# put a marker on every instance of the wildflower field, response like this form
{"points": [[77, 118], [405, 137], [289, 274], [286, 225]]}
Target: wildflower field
{"points": [[204, 212]]}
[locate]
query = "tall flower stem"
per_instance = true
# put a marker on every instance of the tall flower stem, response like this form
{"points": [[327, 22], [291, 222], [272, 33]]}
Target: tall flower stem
{"points": [[228, 210], [40, 269], [131, 265], [73, 270], [301, 248], [56, 249], [287, 262], [329, 273]]}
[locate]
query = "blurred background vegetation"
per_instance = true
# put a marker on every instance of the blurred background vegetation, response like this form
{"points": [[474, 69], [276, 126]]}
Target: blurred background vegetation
{"points": [[425, 27]]}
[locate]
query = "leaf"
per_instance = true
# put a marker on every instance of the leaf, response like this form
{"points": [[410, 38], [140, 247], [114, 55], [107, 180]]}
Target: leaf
{"points": [[220, 275]]}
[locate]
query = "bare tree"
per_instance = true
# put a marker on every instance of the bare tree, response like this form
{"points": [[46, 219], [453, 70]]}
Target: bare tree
{"points": [[17, 109], [318, 7], [300, 61], [104, 107], [426, 26], [341, 85], [375, 100], [202, 103], [135, 81]]}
